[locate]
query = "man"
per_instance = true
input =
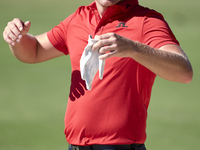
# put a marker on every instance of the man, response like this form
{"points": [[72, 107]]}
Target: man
{"points": [[137, 44]]}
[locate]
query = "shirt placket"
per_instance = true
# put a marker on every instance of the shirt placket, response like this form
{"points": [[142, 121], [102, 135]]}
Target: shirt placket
{"points": [[107, 17]]}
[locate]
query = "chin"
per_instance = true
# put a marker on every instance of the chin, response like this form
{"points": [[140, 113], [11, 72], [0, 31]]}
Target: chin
{"points": [[107, 3]]}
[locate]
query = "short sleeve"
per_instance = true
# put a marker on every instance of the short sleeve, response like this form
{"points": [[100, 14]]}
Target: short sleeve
{"points": [[57, 35], [156, 31]]}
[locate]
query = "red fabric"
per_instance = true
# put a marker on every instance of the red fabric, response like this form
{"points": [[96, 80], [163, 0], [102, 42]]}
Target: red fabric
{"points": [[115, 110]]}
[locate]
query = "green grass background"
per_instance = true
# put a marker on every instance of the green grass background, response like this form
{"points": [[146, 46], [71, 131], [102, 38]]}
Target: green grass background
{"points": [[33, 97]]}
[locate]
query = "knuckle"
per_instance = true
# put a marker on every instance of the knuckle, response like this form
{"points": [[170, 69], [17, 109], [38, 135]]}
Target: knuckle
{"points": [[14, 22], [115, 46], [11, 36], [7, 39], [9, 23], [4, 34], [103, 49], [112, 34], [6, 28], [16, 19], [12, 27], [101, 42], [114, 40]]}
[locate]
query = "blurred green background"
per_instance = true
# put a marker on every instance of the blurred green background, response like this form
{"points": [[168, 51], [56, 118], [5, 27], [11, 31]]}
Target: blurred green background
{"points": [[33, 98]]}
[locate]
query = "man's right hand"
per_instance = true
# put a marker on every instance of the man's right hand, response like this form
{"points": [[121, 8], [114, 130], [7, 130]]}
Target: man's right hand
{"points": [[14, 31]]}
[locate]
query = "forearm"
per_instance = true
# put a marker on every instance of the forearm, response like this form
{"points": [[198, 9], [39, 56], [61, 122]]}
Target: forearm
{"points": [[26, 49], [168, 62]]}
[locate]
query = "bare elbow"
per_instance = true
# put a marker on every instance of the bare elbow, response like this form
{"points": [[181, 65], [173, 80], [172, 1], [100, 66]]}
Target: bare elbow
{"points": [[187, 72], [188, 76], [183, 75]]}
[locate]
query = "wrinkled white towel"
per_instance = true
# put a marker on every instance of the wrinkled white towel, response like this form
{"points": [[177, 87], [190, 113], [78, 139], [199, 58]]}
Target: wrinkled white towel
{"points": [[90, 63]]}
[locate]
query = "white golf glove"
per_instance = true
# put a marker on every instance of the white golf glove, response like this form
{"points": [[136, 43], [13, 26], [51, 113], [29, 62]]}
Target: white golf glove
{"points": [[90, 63]]}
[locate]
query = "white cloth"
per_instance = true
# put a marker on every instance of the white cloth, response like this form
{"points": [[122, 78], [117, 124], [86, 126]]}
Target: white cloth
{"points": [[90, 63]]}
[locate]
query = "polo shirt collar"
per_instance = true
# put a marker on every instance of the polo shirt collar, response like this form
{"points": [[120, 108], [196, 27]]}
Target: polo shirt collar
{"points": [[125, 5]]}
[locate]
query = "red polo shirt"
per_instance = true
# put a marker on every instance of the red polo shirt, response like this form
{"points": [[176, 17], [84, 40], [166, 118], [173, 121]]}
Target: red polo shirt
{"points": [[115, 110]]}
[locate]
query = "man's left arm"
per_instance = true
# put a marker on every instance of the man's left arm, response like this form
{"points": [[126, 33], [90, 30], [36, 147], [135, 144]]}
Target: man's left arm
{"points": [[169, 61]]}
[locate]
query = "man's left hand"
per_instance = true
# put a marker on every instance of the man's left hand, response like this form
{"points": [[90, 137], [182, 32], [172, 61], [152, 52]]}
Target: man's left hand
{"points": [[111, 44]]}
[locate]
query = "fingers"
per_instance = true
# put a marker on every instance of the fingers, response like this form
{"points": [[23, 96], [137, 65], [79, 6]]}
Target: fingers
{"points": [[112, 44], [107, 45], [105, 36], [14, 31], [105, 40], [26, 28], [108, 55]]}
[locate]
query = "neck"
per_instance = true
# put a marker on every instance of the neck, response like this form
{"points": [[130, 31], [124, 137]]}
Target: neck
{"points": [[101, 10], [102, 6]]}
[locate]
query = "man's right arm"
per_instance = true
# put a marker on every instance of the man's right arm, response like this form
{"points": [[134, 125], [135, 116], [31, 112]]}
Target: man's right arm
{"points": [[28, 48]]}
